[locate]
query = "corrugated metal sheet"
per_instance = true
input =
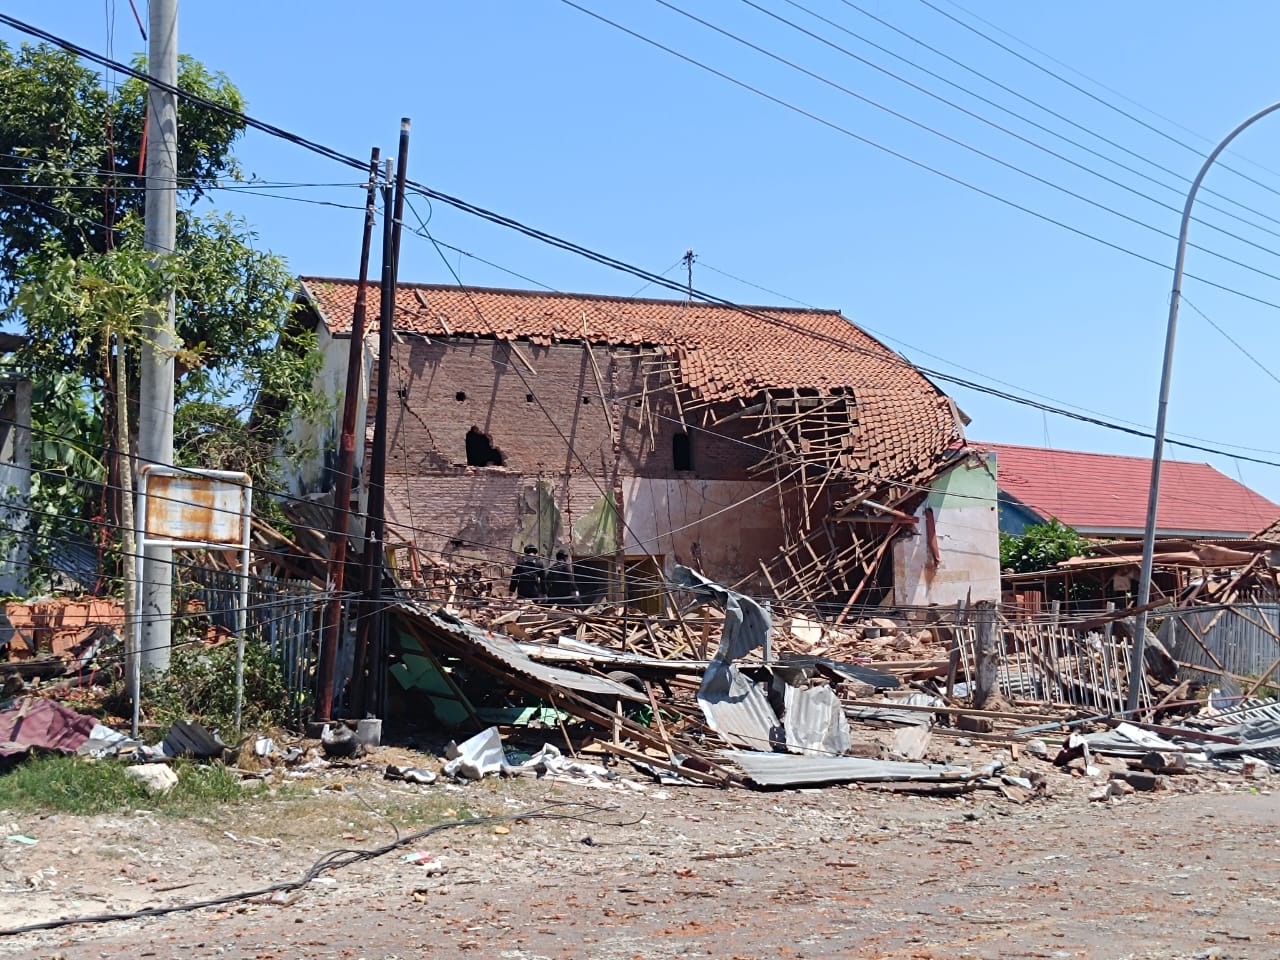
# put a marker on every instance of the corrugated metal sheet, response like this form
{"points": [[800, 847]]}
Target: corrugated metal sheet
{"points": [[738, 709], [1238, 638], [508, 653], [815, 722], [788, 770]]}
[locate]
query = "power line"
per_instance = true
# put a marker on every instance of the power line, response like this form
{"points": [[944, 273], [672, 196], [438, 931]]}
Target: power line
{"points": [[869, 142], [1090, 94], [1013, 113], [1038, 105], [656, 279], [1043, 181]]}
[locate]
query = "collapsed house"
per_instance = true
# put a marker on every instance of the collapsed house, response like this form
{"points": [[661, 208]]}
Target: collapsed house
{"points": [[782, 451]]}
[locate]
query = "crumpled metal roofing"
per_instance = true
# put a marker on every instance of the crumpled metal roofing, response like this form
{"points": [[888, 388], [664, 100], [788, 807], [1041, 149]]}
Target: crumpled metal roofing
{"points": [[903, 424], [789, 770], [507, 652]]}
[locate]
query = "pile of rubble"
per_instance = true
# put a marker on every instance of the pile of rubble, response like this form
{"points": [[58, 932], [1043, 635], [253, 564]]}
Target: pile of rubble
{"points": [[722, 695]]}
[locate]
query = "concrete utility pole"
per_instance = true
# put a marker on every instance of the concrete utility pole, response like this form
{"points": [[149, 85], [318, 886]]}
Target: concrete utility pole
{"points": [[1162, 409], [155, 417]]}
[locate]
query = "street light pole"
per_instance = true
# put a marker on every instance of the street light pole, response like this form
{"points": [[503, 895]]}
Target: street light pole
{"points": [[1157, 456]]}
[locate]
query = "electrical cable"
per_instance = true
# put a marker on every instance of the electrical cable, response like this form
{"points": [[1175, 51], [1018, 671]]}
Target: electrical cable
{"points": [[335, 860], [1181, 190], [550, 239], [1093, 96], [1035, 103], [976, 116], [1043, 181]]}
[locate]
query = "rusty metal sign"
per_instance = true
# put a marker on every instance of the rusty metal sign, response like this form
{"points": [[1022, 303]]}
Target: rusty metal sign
{"points": [[191, 508]]}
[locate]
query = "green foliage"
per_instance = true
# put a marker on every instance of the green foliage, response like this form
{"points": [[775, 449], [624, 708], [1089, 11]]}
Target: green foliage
{"points": [[71, 784], [201, 685], [64, 172], [1040, 547], [241, 370]]}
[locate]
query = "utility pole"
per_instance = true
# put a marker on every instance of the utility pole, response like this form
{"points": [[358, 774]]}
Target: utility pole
{"points": [[688, 263], [346, 461], [155, 417], [373, 641], [1136, 661]]}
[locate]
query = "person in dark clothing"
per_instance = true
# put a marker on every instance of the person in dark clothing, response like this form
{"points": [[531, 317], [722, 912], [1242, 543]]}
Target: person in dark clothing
{"points": [[529, 578], [561, 588]]}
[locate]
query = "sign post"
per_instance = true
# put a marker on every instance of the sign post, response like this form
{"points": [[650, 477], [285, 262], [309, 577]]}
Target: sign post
{"points": [[193, 510]]}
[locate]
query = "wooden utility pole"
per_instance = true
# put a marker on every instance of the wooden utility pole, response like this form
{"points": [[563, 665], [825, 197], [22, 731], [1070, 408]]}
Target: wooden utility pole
{"points": [[372, 643], [155, 414], [346, 463]]}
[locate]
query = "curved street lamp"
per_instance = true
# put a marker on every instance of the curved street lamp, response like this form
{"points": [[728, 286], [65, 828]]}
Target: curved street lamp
{"points": [[1157, 457]]}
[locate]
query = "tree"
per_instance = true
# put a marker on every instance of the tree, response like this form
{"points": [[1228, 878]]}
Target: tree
{"points": [[71, 152], [1041, 546], [71, 235]]}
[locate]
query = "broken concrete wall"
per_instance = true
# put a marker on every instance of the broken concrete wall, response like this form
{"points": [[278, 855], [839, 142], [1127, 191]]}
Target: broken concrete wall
{"points": [[959, 517]]}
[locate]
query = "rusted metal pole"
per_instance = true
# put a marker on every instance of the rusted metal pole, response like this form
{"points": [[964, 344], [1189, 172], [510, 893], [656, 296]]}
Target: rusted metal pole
{"points": [[346, 463], [374, 647]]}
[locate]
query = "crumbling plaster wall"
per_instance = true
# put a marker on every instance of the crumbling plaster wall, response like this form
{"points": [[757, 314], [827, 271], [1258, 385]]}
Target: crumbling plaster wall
{"points": [[443, 387], [966, 525], [317, 440]]}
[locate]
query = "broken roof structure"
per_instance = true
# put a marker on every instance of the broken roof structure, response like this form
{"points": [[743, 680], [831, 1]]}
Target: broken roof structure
{"points": [[815, 421]]}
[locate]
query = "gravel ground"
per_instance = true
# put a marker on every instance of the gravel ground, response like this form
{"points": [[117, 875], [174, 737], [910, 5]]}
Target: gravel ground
{"points": [[1190, 871]]}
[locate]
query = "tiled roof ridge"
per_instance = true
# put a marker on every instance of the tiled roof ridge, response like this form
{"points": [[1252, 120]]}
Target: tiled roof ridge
{"points": [[589, 297], [993, 445]]}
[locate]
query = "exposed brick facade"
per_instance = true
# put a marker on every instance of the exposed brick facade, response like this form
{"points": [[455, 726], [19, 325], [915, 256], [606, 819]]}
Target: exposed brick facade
{"points": [[499, 395]]}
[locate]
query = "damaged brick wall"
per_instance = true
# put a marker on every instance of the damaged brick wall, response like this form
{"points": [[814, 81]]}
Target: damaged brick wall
{"points": [[446, 386], [443, 387]]}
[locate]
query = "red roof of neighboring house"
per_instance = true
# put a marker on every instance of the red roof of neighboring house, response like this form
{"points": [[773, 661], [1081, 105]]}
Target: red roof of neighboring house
{"points": [[723, 352], [1105, 493]]}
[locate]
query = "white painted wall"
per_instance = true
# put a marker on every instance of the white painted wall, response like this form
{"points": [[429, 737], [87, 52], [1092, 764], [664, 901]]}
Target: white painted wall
{"points": [[685, 521], [305, 474], [967, 523]]}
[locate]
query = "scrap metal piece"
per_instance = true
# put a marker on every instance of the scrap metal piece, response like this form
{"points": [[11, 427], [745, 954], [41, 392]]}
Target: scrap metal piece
{"points": [[815, 723], [786, 770], [737, 708]]}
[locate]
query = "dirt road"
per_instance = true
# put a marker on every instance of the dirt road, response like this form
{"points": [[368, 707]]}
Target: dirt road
{"points": [[692, 872]]}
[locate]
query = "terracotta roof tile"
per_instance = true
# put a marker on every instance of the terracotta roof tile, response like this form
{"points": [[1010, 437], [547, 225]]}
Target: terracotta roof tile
{"points": [[1096, 491], [905, 422]]}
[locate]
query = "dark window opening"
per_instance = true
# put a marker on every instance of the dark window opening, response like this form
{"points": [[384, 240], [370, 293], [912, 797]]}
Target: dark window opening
{"points": [[460, 396], [480, 450], [586, 399], [528, 398], [682, 451]]}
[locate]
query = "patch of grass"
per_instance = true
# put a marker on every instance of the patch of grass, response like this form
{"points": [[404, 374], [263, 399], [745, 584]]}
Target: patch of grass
{"points": [[69, 784]]}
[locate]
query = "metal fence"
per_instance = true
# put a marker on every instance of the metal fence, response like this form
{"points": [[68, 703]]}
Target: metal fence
{"points": [[286, 616], [1050, 662], [1235, 648]]}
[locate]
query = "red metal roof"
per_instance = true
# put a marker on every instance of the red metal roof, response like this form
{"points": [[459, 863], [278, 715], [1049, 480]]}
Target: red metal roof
{"points": [[723, 352], [1100, 492]]}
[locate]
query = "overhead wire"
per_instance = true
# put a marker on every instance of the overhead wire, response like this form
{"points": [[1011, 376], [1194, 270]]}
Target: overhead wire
{"points": [[1093, 96], [501, 220], [1035, 144], [1036, 103], [968, 91]]}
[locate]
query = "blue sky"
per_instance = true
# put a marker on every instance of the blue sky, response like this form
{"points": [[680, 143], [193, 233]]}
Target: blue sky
{"points": [[540, 112]]}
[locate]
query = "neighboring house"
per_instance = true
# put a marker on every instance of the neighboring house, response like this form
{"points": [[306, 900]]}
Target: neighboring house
{"points": [[15, 469], [781, 450], [1105, 496]]}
